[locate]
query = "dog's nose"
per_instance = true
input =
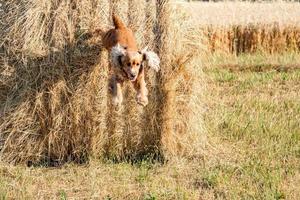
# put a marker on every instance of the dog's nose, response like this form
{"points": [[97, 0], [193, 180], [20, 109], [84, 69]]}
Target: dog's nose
{"points": [[132, 74]]}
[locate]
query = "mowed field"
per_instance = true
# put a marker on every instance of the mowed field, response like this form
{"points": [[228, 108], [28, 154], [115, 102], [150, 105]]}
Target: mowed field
{"points": [[253, 144]]}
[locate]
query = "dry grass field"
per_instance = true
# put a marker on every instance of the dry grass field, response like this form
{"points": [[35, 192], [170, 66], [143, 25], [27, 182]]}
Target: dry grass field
{"points": [[244, 27], [243, 13], [248, 119]]}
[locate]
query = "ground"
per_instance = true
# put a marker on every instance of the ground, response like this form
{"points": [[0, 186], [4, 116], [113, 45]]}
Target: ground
{"points": [[253, 147]]}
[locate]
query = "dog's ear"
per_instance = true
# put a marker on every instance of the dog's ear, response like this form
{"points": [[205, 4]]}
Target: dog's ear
{"points": [[117, 52], [151, 59]]}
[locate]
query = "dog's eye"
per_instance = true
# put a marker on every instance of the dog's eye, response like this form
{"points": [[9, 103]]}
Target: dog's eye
{"points": [[128, 64]]}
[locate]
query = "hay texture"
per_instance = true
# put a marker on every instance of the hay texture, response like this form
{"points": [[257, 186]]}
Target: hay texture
{"points": [[55, 105]]}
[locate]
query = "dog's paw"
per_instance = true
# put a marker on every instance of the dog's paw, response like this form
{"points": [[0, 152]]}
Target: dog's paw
{"points": [[116, 101], [142, 100]]}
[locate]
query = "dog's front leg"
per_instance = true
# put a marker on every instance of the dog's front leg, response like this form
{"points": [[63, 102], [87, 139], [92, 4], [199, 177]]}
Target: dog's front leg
{"points": [[142, 92], [117, 96]]}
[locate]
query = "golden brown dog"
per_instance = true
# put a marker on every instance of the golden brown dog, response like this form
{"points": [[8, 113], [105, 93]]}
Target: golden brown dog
{"points": [[128, 62]]}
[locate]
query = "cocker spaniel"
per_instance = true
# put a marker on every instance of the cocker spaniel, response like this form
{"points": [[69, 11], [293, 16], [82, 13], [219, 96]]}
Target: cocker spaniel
{"points": [[128, 62]]}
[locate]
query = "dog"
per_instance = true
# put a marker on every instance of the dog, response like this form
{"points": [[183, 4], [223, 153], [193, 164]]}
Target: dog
{"points": [[128, 62]]}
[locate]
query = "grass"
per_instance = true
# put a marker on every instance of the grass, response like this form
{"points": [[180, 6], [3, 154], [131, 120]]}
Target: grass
{"points": [[259, 116], [257, 62], [254, 150]]}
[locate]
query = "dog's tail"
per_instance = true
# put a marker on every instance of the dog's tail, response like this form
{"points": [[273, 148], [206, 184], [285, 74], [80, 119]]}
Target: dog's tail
{"points": [[118, 22]]}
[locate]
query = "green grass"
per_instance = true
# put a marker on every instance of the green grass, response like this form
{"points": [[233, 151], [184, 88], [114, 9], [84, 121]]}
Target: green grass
{"points": [[258, 114], [253, 151], [256, 62]]}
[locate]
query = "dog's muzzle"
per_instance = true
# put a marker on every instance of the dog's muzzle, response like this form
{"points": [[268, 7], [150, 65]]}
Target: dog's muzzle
{"points": [[131, 76]]}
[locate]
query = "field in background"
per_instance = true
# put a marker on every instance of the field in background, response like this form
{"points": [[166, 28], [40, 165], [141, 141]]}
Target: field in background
{"points": [[252, 117], [242, 13], [241, 27]]}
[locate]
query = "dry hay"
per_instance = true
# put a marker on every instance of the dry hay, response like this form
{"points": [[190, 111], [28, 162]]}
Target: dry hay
{"points": [[250, 38], [54, 101]]}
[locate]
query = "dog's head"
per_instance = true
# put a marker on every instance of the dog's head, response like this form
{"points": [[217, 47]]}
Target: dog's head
{"points": [[132, 62]]}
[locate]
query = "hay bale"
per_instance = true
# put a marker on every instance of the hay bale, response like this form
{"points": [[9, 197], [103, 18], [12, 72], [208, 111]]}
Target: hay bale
{"points": [[54, 102]]}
